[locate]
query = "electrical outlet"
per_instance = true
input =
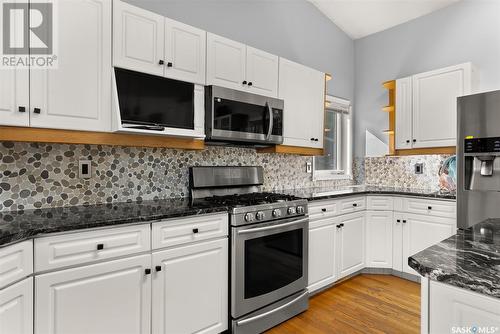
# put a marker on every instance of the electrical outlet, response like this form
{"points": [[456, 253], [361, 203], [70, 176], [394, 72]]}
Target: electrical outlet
{"points": [[419, 168], [84, 169], [308, 167]]}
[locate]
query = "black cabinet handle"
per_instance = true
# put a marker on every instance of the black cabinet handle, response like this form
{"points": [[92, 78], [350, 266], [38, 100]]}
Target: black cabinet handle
{"points": [[161, 62], [100, 246], [316, 139], [147, 271], [408, 141], [250, 83], [429, 208], [338, 226], [324, 209], [37, 110], [244, 82], [312, 139], [158, 268], [414, 140], [342, 225], [404, 221], [22, 109], [399, 220], [195, 230], [354, 204], [169, 64]]}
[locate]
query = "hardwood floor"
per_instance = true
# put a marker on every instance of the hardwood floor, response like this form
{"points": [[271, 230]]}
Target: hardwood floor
{"points": [[362, 304]]}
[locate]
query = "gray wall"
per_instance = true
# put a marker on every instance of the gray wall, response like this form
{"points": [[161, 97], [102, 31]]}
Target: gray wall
{"points": [[466, 31], [293, 29]]}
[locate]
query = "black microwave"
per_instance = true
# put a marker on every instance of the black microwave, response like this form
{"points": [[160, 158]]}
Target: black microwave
{"points": [[236, 116]]}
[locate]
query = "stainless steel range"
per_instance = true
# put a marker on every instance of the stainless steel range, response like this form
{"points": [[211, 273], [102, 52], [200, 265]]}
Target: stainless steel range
{"points": [[269, 243]]}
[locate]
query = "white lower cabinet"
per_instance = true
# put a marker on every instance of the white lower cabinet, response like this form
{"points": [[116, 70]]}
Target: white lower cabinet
{"points": [[16, 308], [351, 239], [109, 297], [322, 253], [379, 239], [190, 288]]}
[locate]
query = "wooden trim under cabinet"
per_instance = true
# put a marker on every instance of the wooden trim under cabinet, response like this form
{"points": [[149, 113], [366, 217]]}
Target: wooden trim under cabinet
{"points": [[429, 150], [21, 134], [291, 150]]}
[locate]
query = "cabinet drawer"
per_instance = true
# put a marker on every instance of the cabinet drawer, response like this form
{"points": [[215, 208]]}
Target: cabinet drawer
{"points": [[430, 207], [84, 247], [379, 203], [184, 230], [353, 204], [16, 262], [323, 209]]}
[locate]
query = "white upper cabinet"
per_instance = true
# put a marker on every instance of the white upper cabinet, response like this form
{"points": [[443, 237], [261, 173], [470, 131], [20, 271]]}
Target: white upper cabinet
{"points": [[185, 52], [226, 60], [14, 97], [138, 37], [262, 72], [435, 104], [403, 113], [76, 95], [302, 88]]}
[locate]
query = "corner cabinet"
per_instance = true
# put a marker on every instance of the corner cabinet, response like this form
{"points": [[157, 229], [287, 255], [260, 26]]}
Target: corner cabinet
{"points": [[426, 106], [16, 308], [237, 66], [303, 90], [77, 94]]}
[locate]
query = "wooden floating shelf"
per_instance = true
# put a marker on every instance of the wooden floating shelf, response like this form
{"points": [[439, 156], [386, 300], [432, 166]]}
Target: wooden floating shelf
{"points": [[427, 151], [388, 132], [20, 134], [388, 108], [391, 84], [291, 150]]}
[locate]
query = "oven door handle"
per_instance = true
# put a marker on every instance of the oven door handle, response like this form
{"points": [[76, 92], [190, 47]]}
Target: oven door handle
{"points": [[267, 228], [265, 314], [271, 121]]}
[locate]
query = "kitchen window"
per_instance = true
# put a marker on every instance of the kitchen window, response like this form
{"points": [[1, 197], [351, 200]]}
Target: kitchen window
{"points": [[337, 161]]}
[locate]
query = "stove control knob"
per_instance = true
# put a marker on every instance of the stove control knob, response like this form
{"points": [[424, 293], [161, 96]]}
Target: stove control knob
{"points": [[277, 213], [249, 217], [300, 210], [291, 210], [260, 215]]}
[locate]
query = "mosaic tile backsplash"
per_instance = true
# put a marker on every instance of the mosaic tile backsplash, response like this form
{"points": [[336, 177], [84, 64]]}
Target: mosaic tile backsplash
{"points": [[36, 175], [400, 171]]}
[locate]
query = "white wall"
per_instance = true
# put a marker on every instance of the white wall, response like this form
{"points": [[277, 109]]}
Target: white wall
{"points": [[466, 31]]}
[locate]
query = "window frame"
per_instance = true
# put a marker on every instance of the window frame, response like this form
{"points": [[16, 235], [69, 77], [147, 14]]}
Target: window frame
{"points": [[345, 140]]}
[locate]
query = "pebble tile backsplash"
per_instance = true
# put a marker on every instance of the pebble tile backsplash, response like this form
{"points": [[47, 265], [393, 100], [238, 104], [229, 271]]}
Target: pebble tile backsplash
{"points": [[34, 175]]}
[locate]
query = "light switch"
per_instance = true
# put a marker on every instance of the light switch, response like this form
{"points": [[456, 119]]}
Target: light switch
{"points": [[419, 168], [85, 169]]}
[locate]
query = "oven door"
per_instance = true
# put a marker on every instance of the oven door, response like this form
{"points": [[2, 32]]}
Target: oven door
{"points": [[268, 263]]}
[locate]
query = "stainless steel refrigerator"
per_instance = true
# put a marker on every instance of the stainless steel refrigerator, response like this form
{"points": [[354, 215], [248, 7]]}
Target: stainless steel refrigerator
{"points": [[478, 158]]}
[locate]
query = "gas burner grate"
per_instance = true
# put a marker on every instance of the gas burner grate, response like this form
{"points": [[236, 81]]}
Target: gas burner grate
{"points": [[250, 199]]}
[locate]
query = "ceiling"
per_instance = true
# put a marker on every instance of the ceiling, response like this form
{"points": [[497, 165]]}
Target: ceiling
{"points": [[360, 18]]}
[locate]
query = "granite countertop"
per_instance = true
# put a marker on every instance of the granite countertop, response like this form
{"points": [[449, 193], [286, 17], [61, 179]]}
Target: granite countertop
{"points": [[312, 194], [17, 226], [470, 259]]}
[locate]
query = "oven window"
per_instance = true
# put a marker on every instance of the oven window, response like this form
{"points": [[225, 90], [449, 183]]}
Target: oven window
{"points": [[272, 262]]}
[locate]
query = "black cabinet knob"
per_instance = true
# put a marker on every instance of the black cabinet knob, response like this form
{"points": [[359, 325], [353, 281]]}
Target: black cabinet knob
{"points": [[414, 140], [161, 62], [324, 209], [250, 83], [244, 82], [354, 204], [22, 109], [37, 110], [316, 139], [429, 208], [404, 221], [408, 141], [100, 246], [147, 271], [195, 230], [342, 225], [338, 226], [312, 139], [169, 64], [399, 220], [158, 268]]}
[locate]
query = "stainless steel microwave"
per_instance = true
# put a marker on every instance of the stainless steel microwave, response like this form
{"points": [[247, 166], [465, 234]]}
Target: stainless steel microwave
{"points": [[234, 116]]}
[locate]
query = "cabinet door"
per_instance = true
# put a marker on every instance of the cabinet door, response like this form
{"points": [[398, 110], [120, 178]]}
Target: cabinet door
{"points": [[262, 72], [138, 39], [302, 89], [351, 243], [322, 243], [379, 239], [190, 288], [403, 113], [109, 297], [185, 50], [16, 308], [420, 232], [77, 95], [226, 60], [435, 105], [397, 242]]}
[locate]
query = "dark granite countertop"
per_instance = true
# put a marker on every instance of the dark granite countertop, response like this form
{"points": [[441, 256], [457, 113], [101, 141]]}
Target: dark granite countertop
{"points": [[312, 194], [17, 226], [470, 259]]}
